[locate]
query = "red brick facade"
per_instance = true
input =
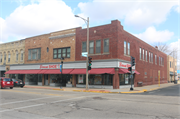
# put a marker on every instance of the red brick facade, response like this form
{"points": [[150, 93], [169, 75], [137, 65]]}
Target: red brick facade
{"points": [[116, 35]]}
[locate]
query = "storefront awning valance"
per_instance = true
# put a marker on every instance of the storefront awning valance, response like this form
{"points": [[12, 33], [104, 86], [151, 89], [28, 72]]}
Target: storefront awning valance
{"points": [[57, 71], [23, 72], [124, 71], [43, 71], [94, 71], [102, 71], [78, 71], [30, 71], [13, 71]]}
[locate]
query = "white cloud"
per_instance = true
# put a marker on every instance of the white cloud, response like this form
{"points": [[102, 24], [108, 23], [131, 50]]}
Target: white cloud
{"points": [[139, 14], [38, 18], [175, 46], [151, 35]]}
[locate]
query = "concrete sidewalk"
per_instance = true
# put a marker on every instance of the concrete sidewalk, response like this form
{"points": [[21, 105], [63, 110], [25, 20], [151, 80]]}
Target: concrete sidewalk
{"points": [[124, 90]]}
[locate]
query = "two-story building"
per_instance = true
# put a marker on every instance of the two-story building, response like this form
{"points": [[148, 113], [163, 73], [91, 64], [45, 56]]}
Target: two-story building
{"points": [[172, 69], [11, 53], [110, 48]]}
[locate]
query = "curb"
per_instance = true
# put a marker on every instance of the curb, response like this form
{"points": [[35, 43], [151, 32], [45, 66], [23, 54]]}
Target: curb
{"points": [[100, 91]]}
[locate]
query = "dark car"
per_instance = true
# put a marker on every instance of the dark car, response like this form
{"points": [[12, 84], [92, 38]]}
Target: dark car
{"points": [[6, 82], [18, 83]]}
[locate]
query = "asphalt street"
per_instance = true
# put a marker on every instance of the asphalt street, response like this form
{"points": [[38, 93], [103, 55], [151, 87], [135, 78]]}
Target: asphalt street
{"points": [[26, 103], [168, 91]]}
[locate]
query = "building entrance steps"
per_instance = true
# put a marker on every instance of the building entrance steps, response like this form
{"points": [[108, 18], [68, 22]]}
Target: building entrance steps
{"points": [[124, 90]]}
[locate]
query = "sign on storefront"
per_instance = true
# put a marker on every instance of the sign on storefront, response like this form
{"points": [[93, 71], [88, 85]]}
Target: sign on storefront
{"points": [[125, 65]]}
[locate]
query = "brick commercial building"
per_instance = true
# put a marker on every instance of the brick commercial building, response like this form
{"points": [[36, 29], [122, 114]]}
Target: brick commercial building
{"points": [[110, 47]]}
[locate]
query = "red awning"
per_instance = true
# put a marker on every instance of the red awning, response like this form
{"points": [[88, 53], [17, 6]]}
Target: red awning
{"points": [[94, 71], [78, 71], [57, 71], [30, 71], [42, 71], [13, 72], [123, 71], [136, 72], [102, 71], [22, 72]]}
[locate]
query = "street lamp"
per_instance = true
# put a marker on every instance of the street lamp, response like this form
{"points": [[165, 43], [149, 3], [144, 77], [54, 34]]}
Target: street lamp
{"points": [[87, 23], [61, 68]]}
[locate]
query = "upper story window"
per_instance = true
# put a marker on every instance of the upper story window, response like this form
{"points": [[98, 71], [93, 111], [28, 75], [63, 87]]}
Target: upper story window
{"points": [[98, 46], [163, 61], [143, 54], [0, 57], [125, 47], [16, 55], [91, 47], [21, 55], [155, 59], [170, 64], [61, 52], [128, 48], [34, 54], [159, 60], [152, 57], [106, 45], [4, 57], [84, 49], [9, 56], [140, 53], [149, 56], [146, 55]]}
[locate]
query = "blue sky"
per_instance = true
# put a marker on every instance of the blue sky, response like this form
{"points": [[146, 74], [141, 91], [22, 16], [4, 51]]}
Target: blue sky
{"points": [[151, 20]]}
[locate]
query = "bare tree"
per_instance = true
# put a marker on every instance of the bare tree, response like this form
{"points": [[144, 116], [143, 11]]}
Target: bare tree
{"points": [[167, 49], [163, 47]]}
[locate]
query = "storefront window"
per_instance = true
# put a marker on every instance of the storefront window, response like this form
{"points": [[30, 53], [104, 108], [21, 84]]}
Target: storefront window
{"points": [[81, 79], [104, 79], [31, 78], [39, 77], [56, 78], [108, 79], [124, 79]]}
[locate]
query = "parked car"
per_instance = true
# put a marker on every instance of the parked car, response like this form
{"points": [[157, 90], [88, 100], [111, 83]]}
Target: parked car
{"points": [[6, 82], [18, 83]]}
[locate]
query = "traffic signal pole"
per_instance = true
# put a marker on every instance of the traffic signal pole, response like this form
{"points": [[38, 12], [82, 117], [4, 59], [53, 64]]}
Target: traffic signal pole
{"points": [[132, 64]]}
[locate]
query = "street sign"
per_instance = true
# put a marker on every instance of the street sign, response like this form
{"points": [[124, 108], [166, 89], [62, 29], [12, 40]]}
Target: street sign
{"points": [[84, 54], [60, 67]]}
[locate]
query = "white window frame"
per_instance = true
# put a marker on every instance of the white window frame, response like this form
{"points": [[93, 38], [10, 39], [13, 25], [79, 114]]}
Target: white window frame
{"points": [[16, 55], [128, 48], [140, 53], [143, 54], [22, 55], [146, 55], [149, 56], [125, 47]]}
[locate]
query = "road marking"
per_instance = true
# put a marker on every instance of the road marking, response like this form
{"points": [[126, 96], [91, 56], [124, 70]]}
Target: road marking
{"points": [[33, 92], [44, 103], [25, 100]]}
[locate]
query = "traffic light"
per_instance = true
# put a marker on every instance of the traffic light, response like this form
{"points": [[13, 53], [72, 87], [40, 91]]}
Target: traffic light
{"points": [[89, 61], [132, 61], [129, 69]]}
